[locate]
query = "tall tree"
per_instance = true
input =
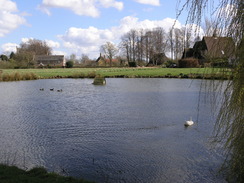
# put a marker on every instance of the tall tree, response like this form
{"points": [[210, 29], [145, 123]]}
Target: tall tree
{"points": [[171, 42], [130, 45], [84, 58], [179, 43], [12, 55]]}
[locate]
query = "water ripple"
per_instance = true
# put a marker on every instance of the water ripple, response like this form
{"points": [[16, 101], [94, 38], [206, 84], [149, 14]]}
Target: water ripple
{"points": [[130, 130]]}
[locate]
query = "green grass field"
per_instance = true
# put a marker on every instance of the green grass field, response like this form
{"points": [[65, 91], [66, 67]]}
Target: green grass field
{"points": [[115, 72]]}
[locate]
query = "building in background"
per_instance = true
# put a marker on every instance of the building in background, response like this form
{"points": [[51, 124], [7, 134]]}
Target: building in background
{"points": [[50, 60]]}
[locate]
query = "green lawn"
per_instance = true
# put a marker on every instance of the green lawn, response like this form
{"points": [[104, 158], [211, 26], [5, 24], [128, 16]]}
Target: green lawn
{"points": [[114, 72]]}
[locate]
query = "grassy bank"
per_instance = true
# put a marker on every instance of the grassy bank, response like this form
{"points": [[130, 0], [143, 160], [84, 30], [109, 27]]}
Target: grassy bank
{"points": [[12, 174], [206, 73]]}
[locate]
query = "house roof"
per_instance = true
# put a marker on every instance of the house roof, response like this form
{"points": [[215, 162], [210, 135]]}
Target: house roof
{"points": [[104, 59], [219, 47], [100, 58]]}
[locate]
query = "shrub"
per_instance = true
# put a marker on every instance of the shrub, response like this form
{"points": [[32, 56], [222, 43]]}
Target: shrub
{"points": [[170, 64], [132, 64], [188, 63], [17, 76], [5, 77], [69, 64], [29, 76]]}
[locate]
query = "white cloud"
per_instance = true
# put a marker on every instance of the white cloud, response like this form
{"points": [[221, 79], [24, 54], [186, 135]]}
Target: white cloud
{"points": [[7, 5], [58, 52], [112, 3], [9, 47], [9, 20], [88, 41], [25, 39], [52, 44], [85, 41], [80, 7], [149, 2]]}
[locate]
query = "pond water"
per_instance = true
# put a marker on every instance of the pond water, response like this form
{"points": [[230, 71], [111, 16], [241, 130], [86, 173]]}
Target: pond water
{"points": [[130, 130]]}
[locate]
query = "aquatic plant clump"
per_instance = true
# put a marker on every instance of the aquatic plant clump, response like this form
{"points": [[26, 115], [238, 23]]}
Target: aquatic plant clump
{"points": [[99, 80]]}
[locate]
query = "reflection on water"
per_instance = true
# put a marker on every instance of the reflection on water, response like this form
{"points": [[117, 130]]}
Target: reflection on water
{"points": [[131, 130]]}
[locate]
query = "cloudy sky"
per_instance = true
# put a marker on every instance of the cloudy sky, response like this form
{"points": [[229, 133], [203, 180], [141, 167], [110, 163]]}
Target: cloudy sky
{"points": [[80, 26]]}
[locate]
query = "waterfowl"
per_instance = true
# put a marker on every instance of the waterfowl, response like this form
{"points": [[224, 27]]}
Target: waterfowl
{"points": [[59, 90], [41, 89], [51, 89], [189, 122]]}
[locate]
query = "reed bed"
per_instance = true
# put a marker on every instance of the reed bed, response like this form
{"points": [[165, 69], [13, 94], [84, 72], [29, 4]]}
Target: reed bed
{"points": [[16, 76]]}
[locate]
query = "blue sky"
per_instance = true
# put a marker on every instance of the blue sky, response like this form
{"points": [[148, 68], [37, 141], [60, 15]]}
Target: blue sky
{"points": [[80, 26]]}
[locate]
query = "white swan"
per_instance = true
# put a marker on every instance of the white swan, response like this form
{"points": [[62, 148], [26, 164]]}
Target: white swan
{"points": [[189, 122]]}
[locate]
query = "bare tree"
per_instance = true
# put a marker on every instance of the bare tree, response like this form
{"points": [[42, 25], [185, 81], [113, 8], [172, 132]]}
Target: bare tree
{"points": [[125, 47], [155, 42], [148, 44], [144, 45], [140, 45], [211, 28], [36, 47], [159, 41], [110, 50], [84, 58], [187, 33], [129, 45]]}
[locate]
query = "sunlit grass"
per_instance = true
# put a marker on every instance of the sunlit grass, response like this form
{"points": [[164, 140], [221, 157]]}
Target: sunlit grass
{"points": [[115, 72]]}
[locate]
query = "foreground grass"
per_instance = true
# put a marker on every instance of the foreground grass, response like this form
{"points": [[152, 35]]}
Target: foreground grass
{"points": [[12, 174], [123, 72]]}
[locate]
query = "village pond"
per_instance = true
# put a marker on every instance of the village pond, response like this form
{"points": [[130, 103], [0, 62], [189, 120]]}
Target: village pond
{"points": [[129, 130]]}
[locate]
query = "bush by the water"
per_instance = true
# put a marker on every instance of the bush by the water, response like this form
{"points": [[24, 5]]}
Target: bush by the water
{"points": [[132, 64]]}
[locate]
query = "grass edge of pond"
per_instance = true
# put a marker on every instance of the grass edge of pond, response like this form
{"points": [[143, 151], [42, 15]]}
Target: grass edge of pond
{"points": [[191, 73], [35, 175]]}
